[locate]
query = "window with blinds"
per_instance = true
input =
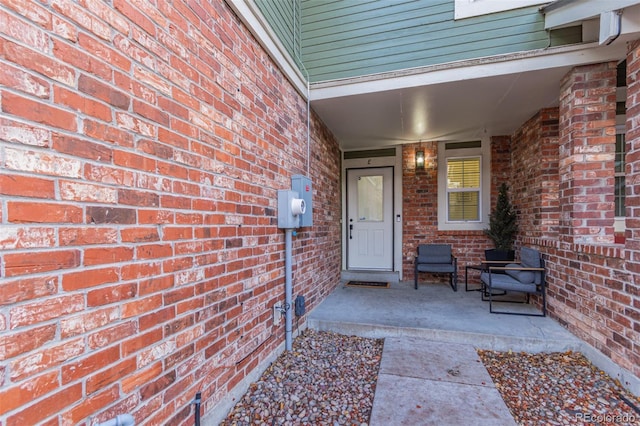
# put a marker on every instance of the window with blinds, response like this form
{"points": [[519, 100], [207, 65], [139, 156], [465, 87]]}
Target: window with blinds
{"points": [[463, 189]]}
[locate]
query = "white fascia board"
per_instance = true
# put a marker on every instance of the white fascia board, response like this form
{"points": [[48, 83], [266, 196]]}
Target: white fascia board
{"points": [[573, 12], [630, 25], [468, 70], [251, 16], [470, 8]]}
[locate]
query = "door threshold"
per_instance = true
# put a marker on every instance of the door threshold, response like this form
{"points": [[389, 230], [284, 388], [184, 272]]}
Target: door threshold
{"points": [[376, 276]]}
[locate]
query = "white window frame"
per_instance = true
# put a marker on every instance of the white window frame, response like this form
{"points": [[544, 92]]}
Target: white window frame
{"points": [[619, 224], [477, 189], [484, 152]]}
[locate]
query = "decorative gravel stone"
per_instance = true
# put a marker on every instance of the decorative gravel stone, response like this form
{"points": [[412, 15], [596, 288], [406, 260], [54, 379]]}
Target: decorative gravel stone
{"points": [[330, 379], [326, 379], [559, 389]]}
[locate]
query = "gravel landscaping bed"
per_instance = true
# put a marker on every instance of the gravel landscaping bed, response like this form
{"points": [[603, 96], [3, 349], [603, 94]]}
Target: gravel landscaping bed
{"points": [[326, 378], [559, 389], [330, 379]]}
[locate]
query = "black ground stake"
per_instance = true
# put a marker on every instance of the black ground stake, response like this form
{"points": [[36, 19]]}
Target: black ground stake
{"points": [[196, 402], [630, 404]]}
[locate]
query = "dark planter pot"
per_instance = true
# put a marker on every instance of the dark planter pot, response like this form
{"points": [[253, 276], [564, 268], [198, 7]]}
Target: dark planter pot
{"points": [[499, 255]]}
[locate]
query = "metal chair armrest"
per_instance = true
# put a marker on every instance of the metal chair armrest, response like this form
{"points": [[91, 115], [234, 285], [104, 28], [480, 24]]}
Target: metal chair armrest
{"points": [[513, 268]]}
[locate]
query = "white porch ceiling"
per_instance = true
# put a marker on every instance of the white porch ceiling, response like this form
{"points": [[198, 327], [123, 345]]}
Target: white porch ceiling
{"points": [[462, 103], [460, 110]]}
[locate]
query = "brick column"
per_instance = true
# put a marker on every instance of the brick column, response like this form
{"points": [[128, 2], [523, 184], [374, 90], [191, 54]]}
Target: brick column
{"points": [[632, 200], [587, 150]]}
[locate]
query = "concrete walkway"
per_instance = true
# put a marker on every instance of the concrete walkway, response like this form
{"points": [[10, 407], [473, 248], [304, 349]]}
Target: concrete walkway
{"points": [[424, 382], [430, 372]]}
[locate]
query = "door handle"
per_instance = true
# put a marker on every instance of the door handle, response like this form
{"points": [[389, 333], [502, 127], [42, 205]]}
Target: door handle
{"points": [[351, 231]]}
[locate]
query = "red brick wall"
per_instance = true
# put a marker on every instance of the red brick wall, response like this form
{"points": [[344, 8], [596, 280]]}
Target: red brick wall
{"points": [[419, 201], [500, 165], [632, 201], [592, 290], [420, 207], [141, 149], [534, 175], [631, 310]]}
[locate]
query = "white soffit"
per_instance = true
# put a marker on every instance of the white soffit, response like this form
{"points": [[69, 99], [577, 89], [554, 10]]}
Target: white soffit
{"points": [[562, 13]]}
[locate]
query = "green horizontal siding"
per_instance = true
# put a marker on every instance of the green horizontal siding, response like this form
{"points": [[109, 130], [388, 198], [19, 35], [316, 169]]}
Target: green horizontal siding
{"points": [[348, 38], [284, 18]]}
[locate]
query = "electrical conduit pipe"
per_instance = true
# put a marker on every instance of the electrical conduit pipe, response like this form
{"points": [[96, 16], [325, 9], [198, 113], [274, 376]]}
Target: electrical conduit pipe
{"points": [[288, 288]]}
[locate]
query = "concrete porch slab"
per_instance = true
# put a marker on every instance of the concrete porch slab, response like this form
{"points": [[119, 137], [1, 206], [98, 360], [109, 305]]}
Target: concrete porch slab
{"points": [[435, 312]]}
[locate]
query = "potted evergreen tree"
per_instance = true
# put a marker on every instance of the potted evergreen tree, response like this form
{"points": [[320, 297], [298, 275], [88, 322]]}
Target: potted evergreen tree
{"points": [[502, 227]]}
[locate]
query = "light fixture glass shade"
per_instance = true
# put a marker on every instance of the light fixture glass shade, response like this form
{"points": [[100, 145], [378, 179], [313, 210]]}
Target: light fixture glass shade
{"points": [[419, 159]]}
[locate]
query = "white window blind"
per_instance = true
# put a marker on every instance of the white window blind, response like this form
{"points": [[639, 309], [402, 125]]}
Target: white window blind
{"points": [[463, 189]]}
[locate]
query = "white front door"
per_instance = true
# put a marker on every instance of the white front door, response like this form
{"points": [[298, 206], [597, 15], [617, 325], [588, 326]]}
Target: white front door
{"points": [[370, 219]]}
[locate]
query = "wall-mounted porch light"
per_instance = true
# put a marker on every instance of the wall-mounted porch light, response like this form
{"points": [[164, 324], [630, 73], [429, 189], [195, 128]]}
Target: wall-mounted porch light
{"points": [[419, 159]]}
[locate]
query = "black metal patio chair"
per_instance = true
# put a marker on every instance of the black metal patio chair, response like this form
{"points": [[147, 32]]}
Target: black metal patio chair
{"points": [[526, 277], [437, 259]]}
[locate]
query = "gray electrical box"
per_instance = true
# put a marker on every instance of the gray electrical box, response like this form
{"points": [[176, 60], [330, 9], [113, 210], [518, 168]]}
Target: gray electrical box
{"points": [[290, 209], [302, 185]]}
